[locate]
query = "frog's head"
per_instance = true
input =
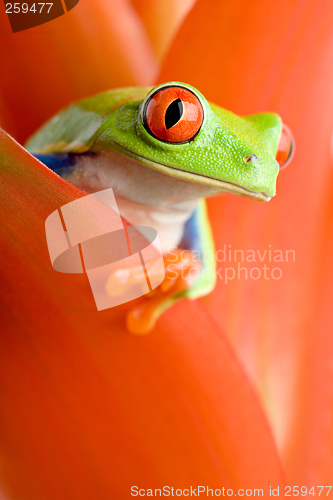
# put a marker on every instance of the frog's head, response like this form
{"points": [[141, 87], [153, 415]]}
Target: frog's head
{"points": [[176, 131]]}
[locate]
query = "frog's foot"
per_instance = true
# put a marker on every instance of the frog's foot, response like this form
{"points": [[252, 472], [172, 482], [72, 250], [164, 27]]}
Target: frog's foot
{"points": [[182, 268]]}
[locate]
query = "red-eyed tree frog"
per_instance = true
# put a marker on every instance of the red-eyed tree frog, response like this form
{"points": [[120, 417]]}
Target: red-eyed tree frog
{"points": [[163, 150]]}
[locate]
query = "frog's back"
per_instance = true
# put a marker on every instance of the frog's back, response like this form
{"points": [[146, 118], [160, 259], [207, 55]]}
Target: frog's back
{"points": [[74, 129]]}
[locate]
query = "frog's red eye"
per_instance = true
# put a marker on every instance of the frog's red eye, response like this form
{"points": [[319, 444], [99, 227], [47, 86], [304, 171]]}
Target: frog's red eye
{"points": [[286, 147], [173, 114]]}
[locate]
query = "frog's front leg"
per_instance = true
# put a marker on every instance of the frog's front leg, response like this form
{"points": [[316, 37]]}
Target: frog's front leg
{"points": [[190, 273]]}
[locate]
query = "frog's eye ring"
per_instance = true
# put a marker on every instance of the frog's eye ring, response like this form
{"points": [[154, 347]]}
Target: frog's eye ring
{"points": [[172, 114], [286, 147]]}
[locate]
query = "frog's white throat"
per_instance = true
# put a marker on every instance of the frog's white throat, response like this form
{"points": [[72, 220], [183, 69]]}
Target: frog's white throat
{"points": [[144, 196]]}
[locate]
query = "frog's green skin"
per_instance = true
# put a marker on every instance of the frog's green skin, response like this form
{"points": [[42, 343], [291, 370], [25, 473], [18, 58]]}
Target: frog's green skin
{"points": [[157, 183]]}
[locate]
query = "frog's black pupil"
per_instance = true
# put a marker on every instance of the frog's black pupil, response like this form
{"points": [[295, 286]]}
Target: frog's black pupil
{"points": [[173, 114]]}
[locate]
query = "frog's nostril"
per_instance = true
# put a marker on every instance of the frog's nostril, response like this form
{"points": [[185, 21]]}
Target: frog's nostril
{"points": [[250, 158]]}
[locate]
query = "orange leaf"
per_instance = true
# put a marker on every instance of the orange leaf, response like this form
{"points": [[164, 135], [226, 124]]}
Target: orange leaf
{"points": [[96, 46], [89, 410], [269, 56], [162, 19]]}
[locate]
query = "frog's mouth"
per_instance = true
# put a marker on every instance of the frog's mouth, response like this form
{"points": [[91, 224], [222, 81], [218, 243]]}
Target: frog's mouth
{"points": [[224, 186]]}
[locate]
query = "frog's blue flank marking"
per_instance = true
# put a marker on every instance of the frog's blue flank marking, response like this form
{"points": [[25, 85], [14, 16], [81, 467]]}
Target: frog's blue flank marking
{"points": [[59, 163], [191, 239]]}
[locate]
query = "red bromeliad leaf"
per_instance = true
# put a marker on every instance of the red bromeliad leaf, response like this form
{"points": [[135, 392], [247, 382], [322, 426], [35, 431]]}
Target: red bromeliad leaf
{"points": [[162, 19], [89, 410], [87, 50], [268, 56]]}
